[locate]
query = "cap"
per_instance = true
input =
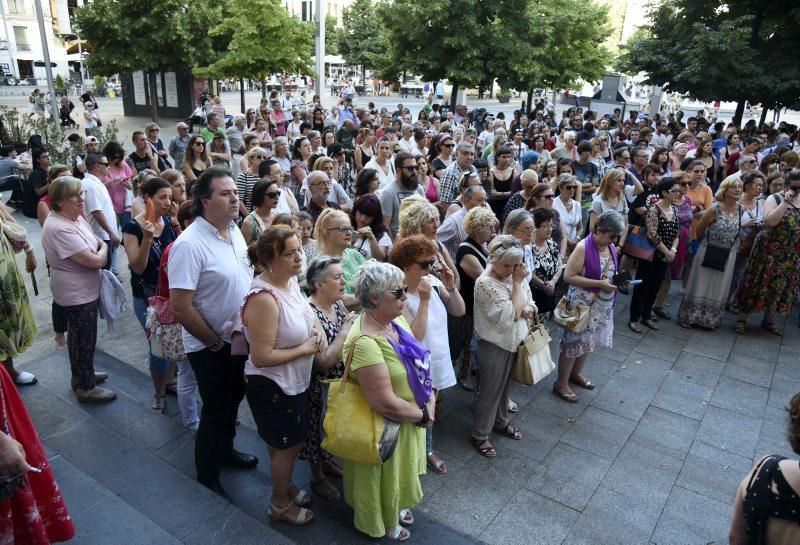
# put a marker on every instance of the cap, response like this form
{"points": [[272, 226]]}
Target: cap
{"points": [[90, 140]]}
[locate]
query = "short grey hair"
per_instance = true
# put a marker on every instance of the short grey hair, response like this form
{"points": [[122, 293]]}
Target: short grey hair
{"points": [[566, 178], [610, 222], [239, 118], [318, 270], [470, 191], [744, 157], [373, 279], [505, 249], [313, 134], [516, 218], [465, 146]]}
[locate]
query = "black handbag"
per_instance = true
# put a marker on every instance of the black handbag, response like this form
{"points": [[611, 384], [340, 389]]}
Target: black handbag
{"points": [[717, 255]]}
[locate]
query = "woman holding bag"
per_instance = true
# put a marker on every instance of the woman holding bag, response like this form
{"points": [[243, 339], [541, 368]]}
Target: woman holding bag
{"points": [[392, 370], [590, 271]]}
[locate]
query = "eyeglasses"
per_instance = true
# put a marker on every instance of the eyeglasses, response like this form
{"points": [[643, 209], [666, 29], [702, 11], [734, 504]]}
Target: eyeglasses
{"points": [[686, 184], [526, 230], [675, 191], [399, 292], [426, 264], [549, 197], [750, 162], [273, 194], [410, 168], [545, 227], [343, 229], [155, 130], [260, 157], [571, 187]]}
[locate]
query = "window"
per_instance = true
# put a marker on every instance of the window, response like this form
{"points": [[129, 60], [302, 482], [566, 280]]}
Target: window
{"points": [[17, 7], [21, 38]]}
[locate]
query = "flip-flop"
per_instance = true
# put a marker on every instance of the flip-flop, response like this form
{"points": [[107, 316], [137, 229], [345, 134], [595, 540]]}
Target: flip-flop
{"points": [[438, 466]]}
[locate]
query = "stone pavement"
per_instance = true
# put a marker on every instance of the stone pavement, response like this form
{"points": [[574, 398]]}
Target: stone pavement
{"points": [[653, 455]]}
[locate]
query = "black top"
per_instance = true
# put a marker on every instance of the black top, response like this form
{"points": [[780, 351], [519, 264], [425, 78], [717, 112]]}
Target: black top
{"points": [[36, 180], [144, 285], [643, 199], [498, 204], [761, 502], [467, 289], [140, 163]]}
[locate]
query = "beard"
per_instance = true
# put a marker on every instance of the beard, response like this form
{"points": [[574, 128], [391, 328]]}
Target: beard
{"points": [[411, 182]]}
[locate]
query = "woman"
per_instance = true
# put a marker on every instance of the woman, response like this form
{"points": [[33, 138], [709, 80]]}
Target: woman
{"points": [[250, 117], [299, 167], [752, 220], [569, 210], [589, 272], [418, 216], [282, 157], [769, 164], [271, 171], [528, 180], [500, 177], [278, 371], [706, 292], [766, 507], [118, 181], [367, 182], [444, 147], [503, 304], [432, 297], [220, 151], [334, 234], [774, 184], [372, 240], [91, 119], [542, 196], [292, 128], [248, 177], [196, 158], [539, 142], [679, 151], [266, 195], [471, 257], [661, 158], [770, 282], [144, 243], [428, 183], [702, 198], [705, 153], [277, 120], [550, 172], [250, 142], [137, 204], [261, 132], [382, 162], [76, 256], [663, 226], [326, 288], [398, 388], [318, 120], [327, 138], [366, 149], [610, 196], [152, 130], [467, 179], [541, 254], [731, 147], [218, 108], [601, 154]]}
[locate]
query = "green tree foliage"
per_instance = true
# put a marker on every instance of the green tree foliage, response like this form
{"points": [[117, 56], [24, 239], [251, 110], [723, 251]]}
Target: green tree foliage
{"points": [[717, 50], [361, 38], [331, 36]]}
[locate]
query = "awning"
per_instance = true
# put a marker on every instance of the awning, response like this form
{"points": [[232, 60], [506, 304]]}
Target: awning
{"points": [[71, 46]]}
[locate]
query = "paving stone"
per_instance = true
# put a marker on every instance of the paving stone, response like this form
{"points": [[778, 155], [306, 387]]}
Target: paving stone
{"points": [[80, 491], [600, 432], [692, 518], [749, 369], [683, 397], [545, 401], [620, 348], [621, 397], [782, 390], [515, 525], [540, 433], [698, 369], [111, 520], [712, 472], [232, 526], [51, 414], [661, 346], [665, 432], [730, 431], [643, 475], [740, 397], [758, 343], [569, 476], [788, 365], [717, 346], [772, 437], [613, 518]]}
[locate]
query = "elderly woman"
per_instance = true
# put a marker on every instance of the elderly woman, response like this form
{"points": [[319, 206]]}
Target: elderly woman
{"points": [[372, 240], [265, 197], [765, 509], [334, 235], [325, 280], [388, 364], [663, 226], [771, 282], [76, 256], [541, 254], [247, 179], [752, 220], [471, 258], [144, 243], [706, 292], [432, 297], [503, 303], [590, 271], [543, 196], [528, 181]]}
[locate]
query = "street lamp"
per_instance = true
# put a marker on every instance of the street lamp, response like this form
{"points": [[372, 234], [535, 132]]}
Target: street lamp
{"points": [[48, 67]]}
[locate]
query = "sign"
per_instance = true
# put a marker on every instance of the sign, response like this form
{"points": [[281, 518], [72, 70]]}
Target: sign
{"points": [[139, 94], [171, 89], [159, 90]]}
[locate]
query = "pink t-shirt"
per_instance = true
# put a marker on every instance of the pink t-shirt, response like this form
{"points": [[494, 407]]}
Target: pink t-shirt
{"points": [[71, 283], [116, 189]]}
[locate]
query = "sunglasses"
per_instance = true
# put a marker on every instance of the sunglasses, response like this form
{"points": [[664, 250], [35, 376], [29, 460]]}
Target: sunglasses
{"points": [[106, 163], [686, 184], [273, 194], [343, 229], [426, 264], [260, 157], [399, 292], [448, 145], [548, 197], [199, 143], [410, 168]]}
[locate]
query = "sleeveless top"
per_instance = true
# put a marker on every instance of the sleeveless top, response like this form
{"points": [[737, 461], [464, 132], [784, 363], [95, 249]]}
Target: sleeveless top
{"points": [[258, 224], [762, 502], [295, 321], [467, 289], [431, 194], [144, 285], [365, 157]]}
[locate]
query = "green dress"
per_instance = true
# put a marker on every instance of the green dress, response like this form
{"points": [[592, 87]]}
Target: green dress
{"points": [[377, 493], [351, 261], [17, 325]]}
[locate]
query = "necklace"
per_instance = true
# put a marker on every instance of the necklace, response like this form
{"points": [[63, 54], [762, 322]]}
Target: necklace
{"points": [[381, 327]]}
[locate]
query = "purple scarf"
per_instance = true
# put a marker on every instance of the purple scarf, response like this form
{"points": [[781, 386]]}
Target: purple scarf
{"points": [[591, 260], [417, 360]]}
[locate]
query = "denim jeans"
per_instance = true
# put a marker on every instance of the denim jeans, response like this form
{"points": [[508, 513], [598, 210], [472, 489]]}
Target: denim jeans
{"points": [[157, 365]]}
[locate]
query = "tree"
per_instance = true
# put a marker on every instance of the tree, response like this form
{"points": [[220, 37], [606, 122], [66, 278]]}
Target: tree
{"points": [[361, 40], [718, 50], [249, 24], [129, 35], [331, 36]]}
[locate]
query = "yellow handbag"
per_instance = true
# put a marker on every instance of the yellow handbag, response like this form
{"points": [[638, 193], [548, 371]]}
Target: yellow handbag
{"points": [[534, 361], [353, 431]]}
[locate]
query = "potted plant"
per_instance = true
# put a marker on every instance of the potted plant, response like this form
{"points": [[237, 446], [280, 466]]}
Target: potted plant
{"points": [[503, 95]]}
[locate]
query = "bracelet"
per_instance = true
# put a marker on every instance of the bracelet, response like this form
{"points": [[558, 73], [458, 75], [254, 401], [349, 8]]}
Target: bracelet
{"points": [[28, 250], [425, 417], [450, 290]]}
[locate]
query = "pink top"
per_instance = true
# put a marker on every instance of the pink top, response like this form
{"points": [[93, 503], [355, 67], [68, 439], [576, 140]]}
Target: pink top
{"points": [[431, 194], [295, 321], [115, 188], [71, 283]]}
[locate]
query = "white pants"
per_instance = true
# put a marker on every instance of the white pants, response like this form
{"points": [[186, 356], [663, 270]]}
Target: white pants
{"points": [[187, 394]]}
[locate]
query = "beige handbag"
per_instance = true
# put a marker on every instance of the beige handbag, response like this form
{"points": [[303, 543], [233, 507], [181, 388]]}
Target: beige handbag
{"points": [[571, 317], [534, 361]]}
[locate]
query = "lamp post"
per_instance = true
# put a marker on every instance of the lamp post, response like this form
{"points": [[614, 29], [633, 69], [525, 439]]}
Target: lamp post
{"points": [[320, 15], [47, 67]]}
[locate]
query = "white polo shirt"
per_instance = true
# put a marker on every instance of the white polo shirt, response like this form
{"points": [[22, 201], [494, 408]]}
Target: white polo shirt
{"points": [[217, 270], [97, 198]]}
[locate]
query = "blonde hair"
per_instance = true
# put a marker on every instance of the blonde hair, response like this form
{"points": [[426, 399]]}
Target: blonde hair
{"points": [[724, 186], [604, 190], [61, 189], [252, 152], [529, 176], [321, 229], [321, 162], [478, 218], [415, 211]]}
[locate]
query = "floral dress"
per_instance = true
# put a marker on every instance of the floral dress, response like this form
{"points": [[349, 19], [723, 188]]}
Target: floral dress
{"points": [[544, 265], [312, 450], [599, 330], [685, 218], [17, 325], [771, 280]]}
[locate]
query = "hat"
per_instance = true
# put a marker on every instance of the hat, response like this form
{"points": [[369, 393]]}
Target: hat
{"points": [[528, 159], [90, 140]]}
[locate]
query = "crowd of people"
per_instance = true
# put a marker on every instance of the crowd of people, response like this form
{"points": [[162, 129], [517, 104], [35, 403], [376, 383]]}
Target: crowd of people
{"points": [[296, 247]]}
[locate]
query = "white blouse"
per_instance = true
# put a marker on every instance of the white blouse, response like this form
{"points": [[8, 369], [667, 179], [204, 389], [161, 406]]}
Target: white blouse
{"points": [[570, 220]]}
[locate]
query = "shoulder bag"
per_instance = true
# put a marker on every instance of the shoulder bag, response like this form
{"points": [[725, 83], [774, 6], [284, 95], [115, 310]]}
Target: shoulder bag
{"points": [[716, 255], [534, 361], [166, 334], [574, 317], [353, 431]]}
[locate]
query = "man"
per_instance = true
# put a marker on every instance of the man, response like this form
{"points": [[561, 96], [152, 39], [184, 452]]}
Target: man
{"points": [[661, 136], [747, 163], [99, 208], [586, 171], [439, 90], [90, 145], [212, 127], [400, 110], [448, 186], [319, 185], [9, 175], [209, 275], [142, 158], [406, 143], [404, 185], [499, 130], [347, 113], [451, 233], [177, 146], [639, 157], [37, 185], [286, 101]]}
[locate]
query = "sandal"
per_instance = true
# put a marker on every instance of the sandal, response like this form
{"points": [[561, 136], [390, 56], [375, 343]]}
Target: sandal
{"points": [[769, 326], [635, 327], [512, 407], [324, 489], [277, 515], [332, 468], [159, 402], [486, 451], [510, 431], [436, 464], [565, 394], [406, 517], [399, 534], [583, 382], [302, 498], [651, 324], [740, 327]]}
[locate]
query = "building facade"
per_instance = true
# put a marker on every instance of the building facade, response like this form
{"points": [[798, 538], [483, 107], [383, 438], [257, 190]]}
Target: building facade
{"points": [[306, 9]]}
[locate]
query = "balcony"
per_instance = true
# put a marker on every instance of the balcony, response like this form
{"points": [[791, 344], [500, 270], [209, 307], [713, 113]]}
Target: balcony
{"points": [[23, 47], [19, 7]]}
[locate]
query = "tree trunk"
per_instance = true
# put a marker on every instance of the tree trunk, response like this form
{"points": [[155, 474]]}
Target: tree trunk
{"points": [[264, 88], [739, 113], [241, 94], [453, 98], [151, 80], [530, 100], [763, 116]]}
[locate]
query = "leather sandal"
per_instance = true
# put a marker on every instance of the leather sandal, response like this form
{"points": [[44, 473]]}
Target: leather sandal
{"points": [[486, 451], [324, 489], [332, 468], [565, 394], [510, 431], [769, 326], [277, 514], [399, 534], [159, 402], [583, 382], [406, 517]]}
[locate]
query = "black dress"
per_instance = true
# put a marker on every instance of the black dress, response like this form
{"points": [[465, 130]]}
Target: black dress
{"points": [[459, 344], [499, 203], [762, 500]]}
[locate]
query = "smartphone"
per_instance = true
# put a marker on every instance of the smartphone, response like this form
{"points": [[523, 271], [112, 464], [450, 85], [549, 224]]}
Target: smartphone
{"points": [[621, 278]]}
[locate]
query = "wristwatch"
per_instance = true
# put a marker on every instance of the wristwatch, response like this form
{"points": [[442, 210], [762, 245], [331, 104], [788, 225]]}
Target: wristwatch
{"points": [[217, 346], [425, 417]]}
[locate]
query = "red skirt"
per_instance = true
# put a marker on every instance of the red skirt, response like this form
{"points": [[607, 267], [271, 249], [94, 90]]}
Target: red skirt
{"points": [[36, 513]]}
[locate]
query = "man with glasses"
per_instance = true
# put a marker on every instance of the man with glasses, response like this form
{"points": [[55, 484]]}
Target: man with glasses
{"points": [[99, 208], [465, 156], [142, 158], [319, 186], [404, 185], [177, 146], [747, 163]]}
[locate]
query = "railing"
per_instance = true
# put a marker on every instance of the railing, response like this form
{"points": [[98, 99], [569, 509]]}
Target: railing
{"points": [[23, 47], [18, 7]]}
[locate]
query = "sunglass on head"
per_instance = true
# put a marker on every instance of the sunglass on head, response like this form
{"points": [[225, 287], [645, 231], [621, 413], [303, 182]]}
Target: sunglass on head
{"points": [[399, 292], [273, 194], [426, 264]]}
